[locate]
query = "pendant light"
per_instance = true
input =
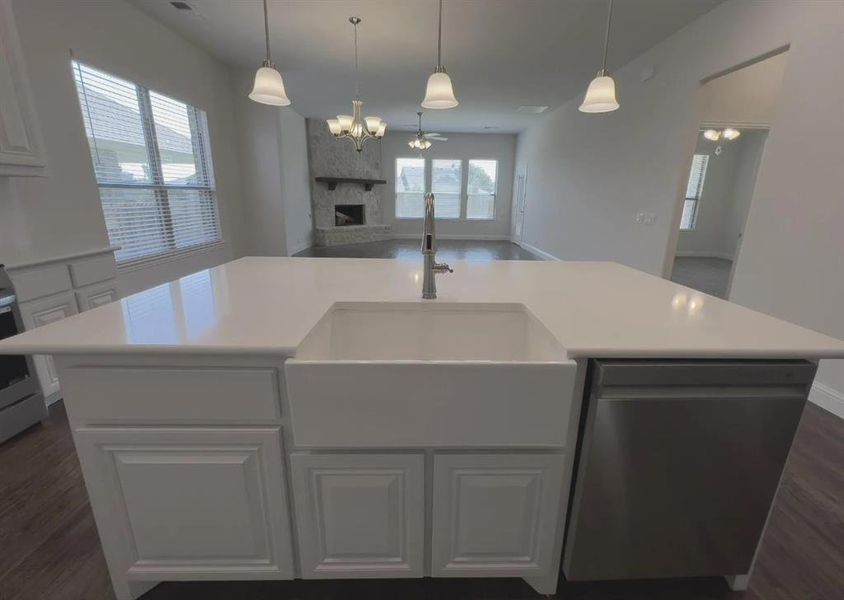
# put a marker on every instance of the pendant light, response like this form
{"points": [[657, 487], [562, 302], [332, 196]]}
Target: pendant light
{"points": [[439, 94], [355, 127], [268, 87], [600, 95]]}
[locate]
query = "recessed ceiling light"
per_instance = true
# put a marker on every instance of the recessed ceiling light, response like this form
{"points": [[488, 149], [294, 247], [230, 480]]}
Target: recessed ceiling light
{"points": [[531, 109], [181, 6]]}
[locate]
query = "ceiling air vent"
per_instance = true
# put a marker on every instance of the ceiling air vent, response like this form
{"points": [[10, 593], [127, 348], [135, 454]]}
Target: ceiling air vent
{"points": [[181, 5], [531, 109]]}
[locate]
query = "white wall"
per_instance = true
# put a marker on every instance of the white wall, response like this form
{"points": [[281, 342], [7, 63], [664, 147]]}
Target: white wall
{"points": [[727, 191], [791, 260], [463, 146], [748, 96], [590, 174], [295, 184], [276, 199], [61, 213]]}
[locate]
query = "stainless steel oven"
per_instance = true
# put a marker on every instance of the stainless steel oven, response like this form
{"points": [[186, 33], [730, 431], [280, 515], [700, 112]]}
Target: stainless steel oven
{"points": [[21, 402]]}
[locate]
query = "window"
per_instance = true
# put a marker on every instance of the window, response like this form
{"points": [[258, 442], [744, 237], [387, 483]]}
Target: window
{"points": [[446, 184], [480, 189], [410, 188], [153, 167], [694, 189]]}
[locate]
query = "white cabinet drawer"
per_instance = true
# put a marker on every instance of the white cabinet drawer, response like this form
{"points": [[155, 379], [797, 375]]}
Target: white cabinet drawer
{"points": [[37, 282], [92, 296], [86, 271], [204, 503], [359, 515], [197, 395], [495, 515]]}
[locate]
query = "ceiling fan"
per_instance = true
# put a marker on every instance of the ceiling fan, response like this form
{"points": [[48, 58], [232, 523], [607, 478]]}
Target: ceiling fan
{"points": [[422, 140]]}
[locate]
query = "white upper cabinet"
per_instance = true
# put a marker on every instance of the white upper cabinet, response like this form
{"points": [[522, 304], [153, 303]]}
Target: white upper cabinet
{"points": [[21, 147]]}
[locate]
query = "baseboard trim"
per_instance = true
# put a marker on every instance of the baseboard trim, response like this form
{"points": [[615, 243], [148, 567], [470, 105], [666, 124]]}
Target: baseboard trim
{"points": [[696, 254], [452, 236], [299, 248], [827, 398], [537, 251]]}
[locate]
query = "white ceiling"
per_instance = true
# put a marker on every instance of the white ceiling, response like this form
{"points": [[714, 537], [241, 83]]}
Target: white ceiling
{"points": [[500, 53]]}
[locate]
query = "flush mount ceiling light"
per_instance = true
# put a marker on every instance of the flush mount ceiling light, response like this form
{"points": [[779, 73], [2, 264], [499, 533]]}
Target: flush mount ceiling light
{"points": [[268, 87], [354, 127], [600, 95], [422, 140], [439, 93], [730, 133], [713, 135]]}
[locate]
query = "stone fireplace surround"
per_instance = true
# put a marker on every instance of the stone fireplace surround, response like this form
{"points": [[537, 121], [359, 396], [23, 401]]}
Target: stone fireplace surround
{"points": [[330, 157]]}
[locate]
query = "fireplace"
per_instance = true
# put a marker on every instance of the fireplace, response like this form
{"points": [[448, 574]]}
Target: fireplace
{"points": [[348, 214]]}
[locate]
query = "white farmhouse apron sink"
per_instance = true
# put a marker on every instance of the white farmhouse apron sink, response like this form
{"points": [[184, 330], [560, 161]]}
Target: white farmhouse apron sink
{"points": [[419, 374]]}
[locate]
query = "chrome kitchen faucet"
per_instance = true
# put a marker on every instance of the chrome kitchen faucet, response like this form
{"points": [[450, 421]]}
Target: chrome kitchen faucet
{"points": [[429, 251]]}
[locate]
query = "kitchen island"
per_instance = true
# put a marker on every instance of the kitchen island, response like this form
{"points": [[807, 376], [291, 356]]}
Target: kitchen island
{"points": [[275, 418]]}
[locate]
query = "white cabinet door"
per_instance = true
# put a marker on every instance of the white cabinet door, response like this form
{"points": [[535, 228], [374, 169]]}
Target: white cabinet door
{"points": [[495, 515], [359, 515], [41, 312], [92, 296], [189, 503], [21, 149]]}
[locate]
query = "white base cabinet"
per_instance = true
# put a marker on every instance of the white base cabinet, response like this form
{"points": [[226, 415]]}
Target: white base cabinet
{"points": [[495, 514], [360, 515], [189, 503], [193, 474]]}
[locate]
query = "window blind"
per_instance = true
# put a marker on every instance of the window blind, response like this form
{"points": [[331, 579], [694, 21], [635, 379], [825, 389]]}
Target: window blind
{"points": [[480, 189], [694, 190], [153, 167], [446, 183], [410, 188]]}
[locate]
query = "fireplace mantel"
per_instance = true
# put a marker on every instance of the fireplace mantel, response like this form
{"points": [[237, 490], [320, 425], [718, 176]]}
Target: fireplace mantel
{"points": [[366, 183]]}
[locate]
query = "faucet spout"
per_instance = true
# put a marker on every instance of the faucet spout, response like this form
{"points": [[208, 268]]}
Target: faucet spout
{"points": [[429, 252]]}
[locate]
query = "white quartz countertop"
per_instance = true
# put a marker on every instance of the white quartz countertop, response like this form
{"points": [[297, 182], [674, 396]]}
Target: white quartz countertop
{"points": [[264, 305]]}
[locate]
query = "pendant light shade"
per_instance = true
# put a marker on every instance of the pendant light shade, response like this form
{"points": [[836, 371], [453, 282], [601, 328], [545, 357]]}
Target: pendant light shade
{"points": [[439, 93], [600, 95], [268, 87]]}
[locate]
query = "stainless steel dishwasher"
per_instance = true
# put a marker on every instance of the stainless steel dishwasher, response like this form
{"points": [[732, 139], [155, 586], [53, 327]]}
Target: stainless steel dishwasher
{"points": [[677, 465]]}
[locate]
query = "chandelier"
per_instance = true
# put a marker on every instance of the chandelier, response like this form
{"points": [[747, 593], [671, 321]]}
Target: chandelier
{"points": [[354, 127]]}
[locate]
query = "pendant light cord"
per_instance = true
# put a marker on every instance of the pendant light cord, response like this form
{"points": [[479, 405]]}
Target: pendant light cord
{"points": [[267, 32], [606, 39], [440, 39]]}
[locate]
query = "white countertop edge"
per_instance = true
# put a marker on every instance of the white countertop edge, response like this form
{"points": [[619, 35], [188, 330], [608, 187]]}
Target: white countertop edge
{"points": [[290, 352]]}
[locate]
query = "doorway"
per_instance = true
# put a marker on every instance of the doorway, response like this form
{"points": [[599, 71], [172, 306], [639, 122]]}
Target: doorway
{"points": [[719, 189], [736, 110]]}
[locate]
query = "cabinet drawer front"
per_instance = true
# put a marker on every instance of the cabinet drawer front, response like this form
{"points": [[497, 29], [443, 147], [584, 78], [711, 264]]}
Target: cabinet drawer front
{"points": [[189, 503], [40, 281], [359, 515], [495, 515], [93, 269], [127, 394]]}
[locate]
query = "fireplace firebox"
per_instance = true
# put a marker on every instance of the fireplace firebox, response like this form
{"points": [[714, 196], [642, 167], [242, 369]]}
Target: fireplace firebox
{"points": [[348, 214]]}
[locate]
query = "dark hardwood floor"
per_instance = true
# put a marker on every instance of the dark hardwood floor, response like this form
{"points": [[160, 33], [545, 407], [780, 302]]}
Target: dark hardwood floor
{"points": [[474, 250], [49, 548]]}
